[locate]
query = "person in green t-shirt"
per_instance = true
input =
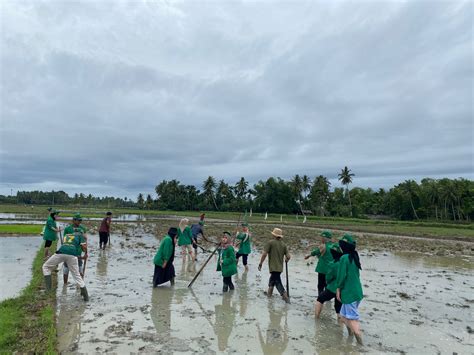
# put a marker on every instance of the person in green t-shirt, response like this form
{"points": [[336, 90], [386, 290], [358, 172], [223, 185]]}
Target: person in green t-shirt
{"points": [[243, 241], [331, 278], [227, 263], [50, 231], [276, 251], [75, 242], [349, 287], [185, 238], [325, 258], [75, 228], [163, 260]]}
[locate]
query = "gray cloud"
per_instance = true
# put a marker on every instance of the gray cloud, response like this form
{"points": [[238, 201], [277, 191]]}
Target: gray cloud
{"points": [[111, 98]]}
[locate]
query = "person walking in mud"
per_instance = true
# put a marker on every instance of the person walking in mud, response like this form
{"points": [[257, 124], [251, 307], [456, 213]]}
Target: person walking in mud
{"points": [[185, 238], [325, 258], [243, 241], [276, 251], [164, 268], [197, 230], [349, 287], [74, 244], [331, 278], [75, 227], [227, 263], [104, 230], [50, 231]]}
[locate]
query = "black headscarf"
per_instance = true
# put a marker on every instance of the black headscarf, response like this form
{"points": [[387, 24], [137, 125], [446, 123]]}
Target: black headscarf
{"points": [[350, 249], [336, 254]]}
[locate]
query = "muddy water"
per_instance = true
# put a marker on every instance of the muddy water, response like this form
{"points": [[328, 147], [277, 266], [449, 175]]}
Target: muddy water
{"points": [[16, 258], [413, 303]]}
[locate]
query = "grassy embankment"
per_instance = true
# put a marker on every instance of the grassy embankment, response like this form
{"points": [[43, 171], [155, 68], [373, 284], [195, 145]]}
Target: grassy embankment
{"points": [[34, 229], [435, 229], [28, 322]]}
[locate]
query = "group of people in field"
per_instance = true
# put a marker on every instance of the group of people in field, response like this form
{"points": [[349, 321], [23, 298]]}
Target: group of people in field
{"points": [[338, 267], [73, 251]]}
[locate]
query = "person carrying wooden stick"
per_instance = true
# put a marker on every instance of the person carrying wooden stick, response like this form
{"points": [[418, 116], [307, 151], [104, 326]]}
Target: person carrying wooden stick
{"points": [[74, 244], [227, 263], [276, 251], [243, 241], [325, 258]]}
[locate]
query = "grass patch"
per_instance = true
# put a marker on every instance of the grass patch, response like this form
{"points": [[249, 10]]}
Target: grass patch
{"points": [[21, 228], [28, 322]]}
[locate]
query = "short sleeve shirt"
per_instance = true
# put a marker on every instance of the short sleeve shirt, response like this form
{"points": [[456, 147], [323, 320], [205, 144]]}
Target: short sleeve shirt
{"points": [[73, 238], [276, 251]]}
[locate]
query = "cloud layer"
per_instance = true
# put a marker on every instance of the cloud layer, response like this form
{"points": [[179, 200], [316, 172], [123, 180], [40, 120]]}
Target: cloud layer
{"points": [[111, 98]]}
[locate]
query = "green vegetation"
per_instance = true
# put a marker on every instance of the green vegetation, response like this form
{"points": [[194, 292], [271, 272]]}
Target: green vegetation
{"points": [[21, 229], [28, 322]]}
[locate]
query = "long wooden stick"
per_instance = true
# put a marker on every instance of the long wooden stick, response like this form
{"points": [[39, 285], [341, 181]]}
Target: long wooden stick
{"points": [[203, 266], [287, 280]]}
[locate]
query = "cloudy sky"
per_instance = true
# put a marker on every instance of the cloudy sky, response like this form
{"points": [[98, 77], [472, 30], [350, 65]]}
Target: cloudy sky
{"points": [[113, 97]]}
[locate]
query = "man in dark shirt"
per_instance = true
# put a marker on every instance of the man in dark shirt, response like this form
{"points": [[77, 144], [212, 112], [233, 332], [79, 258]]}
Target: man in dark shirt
{"points": [[197, 229], [104, 230]]}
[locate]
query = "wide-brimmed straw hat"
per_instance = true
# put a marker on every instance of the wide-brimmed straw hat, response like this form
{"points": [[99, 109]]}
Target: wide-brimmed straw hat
{"points": [[277, 232]]}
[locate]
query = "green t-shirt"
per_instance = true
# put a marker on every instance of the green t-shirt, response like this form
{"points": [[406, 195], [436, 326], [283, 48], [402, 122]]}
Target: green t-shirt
{"points": [[49, 232], [348, 281], [323, 263], [185, 237], [244, 246], [164, 252], [73, 239], [229, 262], [276, 251], [331, 276]]}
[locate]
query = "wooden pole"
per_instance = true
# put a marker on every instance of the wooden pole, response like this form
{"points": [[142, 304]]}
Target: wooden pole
{"points": [[203, 266], [287, 280]]}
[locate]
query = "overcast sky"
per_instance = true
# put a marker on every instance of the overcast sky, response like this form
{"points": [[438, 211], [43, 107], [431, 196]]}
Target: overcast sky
{"points": [[111, 98]]}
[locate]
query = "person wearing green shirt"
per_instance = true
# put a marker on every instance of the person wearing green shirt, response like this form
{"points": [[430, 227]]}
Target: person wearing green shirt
{"points": [[227, 263], [331, 278], [276, 251], [185, 238], [349, 287], [163, 260], [325, 258], [50, 231], [243, 241], [75, 228], [73, 245]]}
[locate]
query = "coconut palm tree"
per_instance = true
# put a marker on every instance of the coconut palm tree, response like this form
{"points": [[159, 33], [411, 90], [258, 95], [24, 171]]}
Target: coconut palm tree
{"points": [[305, 184], [209, 186], [410, 187], [346, 178]]}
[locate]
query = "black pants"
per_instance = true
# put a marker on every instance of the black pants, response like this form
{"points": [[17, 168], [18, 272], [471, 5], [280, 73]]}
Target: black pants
{"points": [[275, 281], [47, 243], [228, 282], [244, 257], [327, 295], [103, 238], [321, 282]]}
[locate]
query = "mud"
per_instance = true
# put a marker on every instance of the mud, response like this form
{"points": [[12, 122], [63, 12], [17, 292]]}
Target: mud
{"points": [[16, 258], [414, 302]]}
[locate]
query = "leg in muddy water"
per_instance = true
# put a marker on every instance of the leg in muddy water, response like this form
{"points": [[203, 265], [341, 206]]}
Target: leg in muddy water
{"points": [[321, 283], [225, 286], [48, 268], [354, 325], [231, 285], [317, 309], [269, 292]]}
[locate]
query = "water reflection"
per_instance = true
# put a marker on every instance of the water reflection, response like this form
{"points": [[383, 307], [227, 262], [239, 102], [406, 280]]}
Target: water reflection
{"points": [[243, 294], [225, 319], [276, 339], [102, 264], [69, 319], [161, 300]]}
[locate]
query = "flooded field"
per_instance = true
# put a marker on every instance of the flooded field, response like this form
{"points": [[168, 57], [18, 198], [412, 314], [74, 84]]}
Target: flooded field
{"points": [[413, 303], [16, 258]]}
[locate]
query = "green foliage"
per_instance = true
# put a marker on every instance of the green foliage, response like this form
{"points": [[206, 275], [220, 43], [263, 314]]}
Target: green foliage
{"points": [[27, 323], [34, 229]]}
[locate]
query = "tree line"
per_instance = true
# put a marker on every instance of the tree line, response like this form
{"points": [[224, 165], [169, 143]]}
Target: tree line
{"points": [[434, 199]]}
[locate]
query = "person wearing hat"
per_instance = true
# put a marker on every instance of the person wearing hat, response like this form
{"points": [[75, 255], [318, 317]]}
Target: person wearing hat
{"points": [[104, 230], [197, 230], [164, 268], [227, 263], [331, 277], [243, 241], [325, 258], [75, 227], [276, 251], [349, 288], [75, 242], [50, 231], [185, 237]]}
